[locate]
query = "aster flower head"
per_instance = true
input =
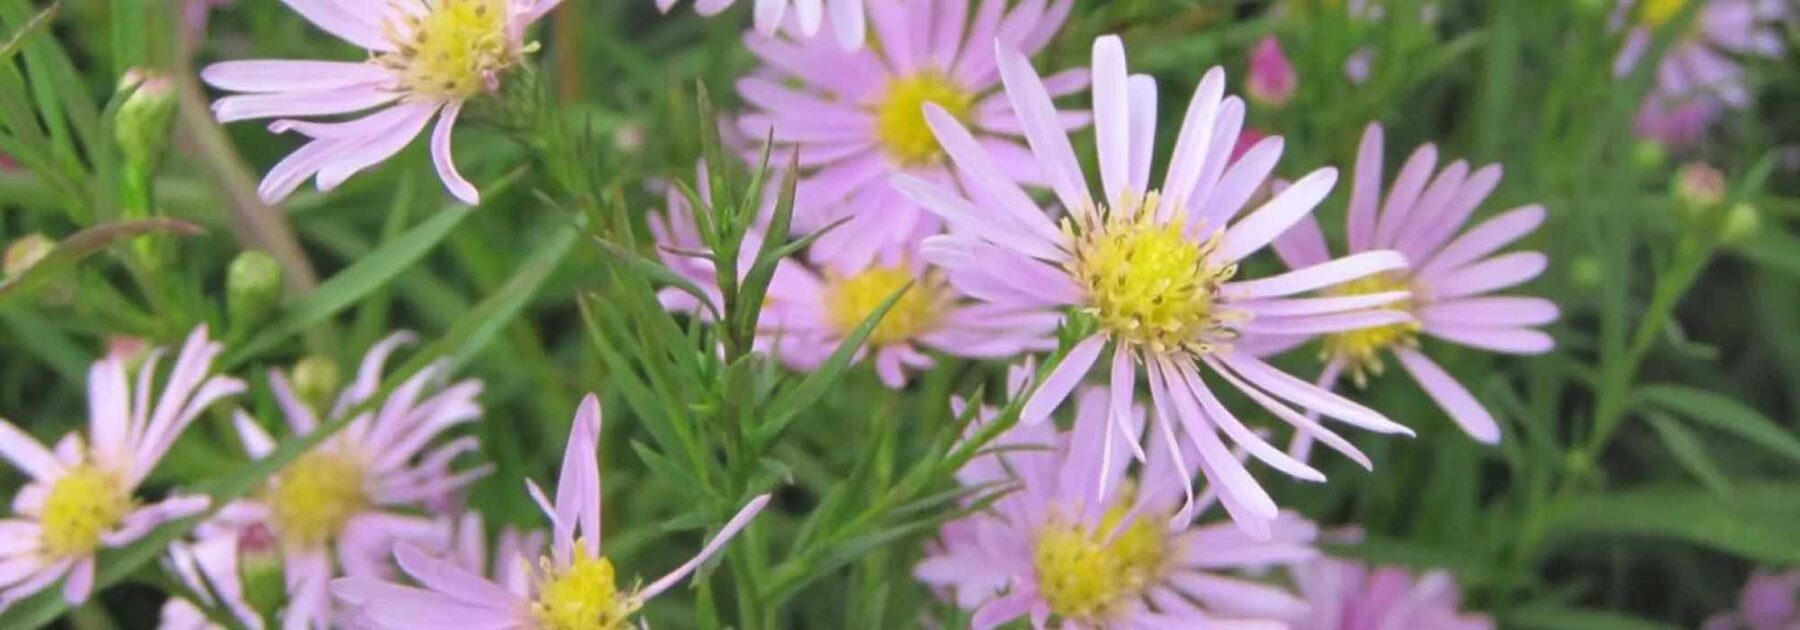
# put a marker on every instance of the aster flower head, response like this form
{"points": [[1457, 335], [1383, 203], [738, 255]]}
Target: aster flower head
{"points": [[575, 587], [82, 494], [856, 118], [427, 59], [1448, 287], [340, 508], [1345, 595], [1769, 601], [1697, 79], [812, 308], [1055, 550], [1156, 270], [849, 25]]}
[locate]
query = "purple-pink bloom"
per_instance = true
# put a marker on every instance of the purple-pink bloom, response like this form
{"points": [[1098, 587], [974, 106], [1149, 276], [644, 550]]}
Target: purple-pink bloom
{"points": [[849, 26], [1448, 285], [1345, 595], [341, 507], [1156, 270], [427, 58], [856, 117], [1770, 601], [82, 494], [573, 588], [1697, 79], [1056, 548], [1272, 80]]}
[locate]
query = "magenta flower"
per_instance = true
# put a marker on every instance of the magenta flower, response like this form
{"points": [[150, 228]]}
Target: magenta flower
{"points": [[1344, 595], [857, 119], [573, 588], [1697, 79], [848, 24], [82, 495], [812, 309], [1447, 288], [350, 499], [1770, 601], [1156, 270], [1054, 549], [1272, 79], [427, 58]]}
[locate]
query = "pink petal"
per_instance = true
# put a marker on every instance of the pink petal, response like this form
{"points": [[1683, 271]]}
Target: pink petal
{"points": [[1451, 396], [1062, 380]]}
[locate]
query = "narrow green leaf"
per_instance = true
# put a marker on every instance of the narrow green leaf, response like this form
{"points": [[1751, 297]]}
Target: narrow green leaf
{"points": [[80, 245], [1687, 514], [1724, 414], [1689, 452], [655, 272], [1776, 250], [471, 335], [37, 23], [788, 404], [1561, 618]]}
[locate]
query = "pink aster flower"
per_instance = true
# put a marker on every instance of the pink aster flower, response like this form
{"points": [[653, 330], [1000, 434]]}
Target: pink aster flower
{"points": [[574, 588], [848, 24], [82, 495], [1697, 79], [1344, 595], [1446, 289], [811, 309], [1156, 270], [857, 119], [1055, 550], [1272, 80], [1770, 601], [341, 507], [427, 58]]}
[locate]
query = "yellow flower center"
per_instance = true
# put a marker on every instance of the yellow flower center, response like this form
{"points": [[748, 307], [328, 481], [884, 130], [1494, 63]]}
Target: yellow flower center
{"points": [[85, 503], [1656, 13], [900, 117], [315, 495], [1084, 576], [1361, 349], [850, 301], [1149, 283], [455, 50], [583, 596]]}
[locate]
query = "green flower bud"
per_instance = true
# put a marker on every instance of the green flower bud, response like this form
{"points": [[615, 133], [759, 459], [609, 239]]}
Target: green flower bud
{"points": [[1699, 188], [260, 569], [25, 253], [1650, 155], [1742, 223], [252, 284], [1585, 272], [316, 380], [142, 125]]}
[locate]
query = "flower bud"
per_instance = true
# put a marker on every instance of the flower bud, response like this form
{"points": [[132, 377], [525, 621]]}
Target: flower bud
{"points": [[1699, 188], [1649, 155], [142, 124], [316, 380], [260, 569], [1741, 224], [1272, 79], [252, 284], [25, 253], [1586, 273]]}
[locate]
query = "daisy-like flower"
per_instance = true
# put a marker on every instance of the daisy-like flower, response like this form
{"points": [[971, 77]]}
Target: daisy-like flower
{"points": [[1770, 601], [1697, 79], [848, 24], [575, 587], [1056, 551], [1156, 270], [82, 495], [1446, 289], [1344, 595], [811, 309], [427, 58], [341, 507], [857, 119]]}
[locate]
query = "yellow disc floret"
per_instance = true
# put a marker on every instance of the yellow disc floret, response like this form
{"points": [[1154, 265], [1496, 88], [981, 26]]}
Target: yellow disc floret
{"points": [[1656, 13], [84, 504], [900, 116], [1150, 283], [1084, 575], [317, 493], [849, 301], [1361, 349], [583, 596], [455, 50]]}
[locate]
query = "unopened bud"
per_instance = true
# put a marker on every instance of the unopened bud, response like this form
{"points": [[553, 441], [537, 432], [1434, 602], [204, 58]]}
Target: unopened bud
{"points": [[1699, 188], [1649, 155], [1742, 223], [142, 125], [316, 380], [25, 253], [1272, 80], [1585, 272], [252, 284], [260, 569]]}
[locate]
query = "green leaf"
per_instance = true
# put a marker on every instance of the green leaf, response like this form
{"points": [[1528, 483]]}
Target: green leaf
{"points": [[1561, 618], [1775, 250], [80, 245], [788, 404], [350, 285], [472, 334], [1689, 452], [1724, 414], [655, 272], [37, 23], [1697, 516]]}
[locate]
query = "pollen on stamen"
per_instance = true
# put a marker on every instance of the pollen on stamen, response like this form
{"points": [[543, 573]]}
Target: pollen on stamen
{"points": [[1151, 283], [315, 496], [582, 596], [81, 506], [1360, 350], [900, 116], [455, 50], [1086, 574], [851, 300]]}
